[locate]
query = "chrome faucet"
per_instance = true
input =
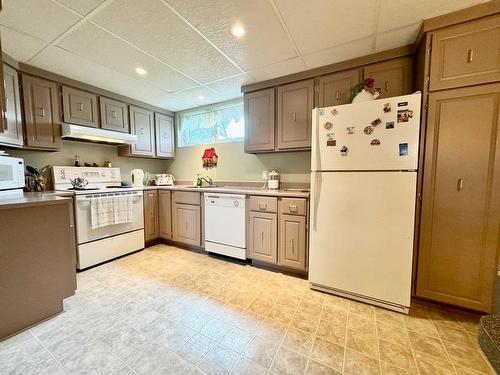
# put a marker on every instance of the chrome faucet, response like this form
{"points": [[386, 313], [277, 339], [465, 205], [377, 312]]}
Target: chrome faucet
{"points": [[208, 180]]}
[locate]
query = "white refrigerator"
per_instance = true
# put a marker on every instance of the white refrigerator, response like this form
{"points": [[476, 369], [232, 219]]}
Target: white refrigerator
{"points": [[363, 193]]}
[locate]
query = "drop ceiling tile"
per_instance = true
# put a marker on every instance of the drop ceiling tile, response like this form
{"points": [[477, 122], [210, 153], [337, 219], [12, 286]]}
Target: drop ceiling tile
{"points": [[279, 69], [265, 42], [21, 47], [339, 53], [397, 38], [94, 44], [62, 62], [231, 87], [152, 26], [41, 18], [82, 7], [325, 23], [394, 14]]}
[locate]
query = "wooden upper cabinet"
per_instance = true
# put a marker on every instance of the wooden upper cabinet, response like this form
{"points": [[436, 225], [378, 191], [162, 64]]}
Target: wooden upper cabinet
{"points": [[151, 229], [466, 54], [460, 218], [295, 104], [141, 124], [12, 126], [335, 89], [165, 141], [80, 107], [41, 113], [392, 78], [114, 115], [259, 120]]}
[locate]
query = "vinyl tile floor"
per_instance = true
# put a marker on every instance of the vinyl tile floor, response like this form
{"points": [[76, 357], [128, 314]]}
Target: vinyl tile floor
{"points": [[165, 310]]}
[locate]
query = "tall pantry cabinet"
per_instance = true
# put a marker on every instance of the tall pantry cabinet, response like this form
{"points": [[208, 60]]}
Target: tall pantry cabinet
{"points": [[460, 215]]}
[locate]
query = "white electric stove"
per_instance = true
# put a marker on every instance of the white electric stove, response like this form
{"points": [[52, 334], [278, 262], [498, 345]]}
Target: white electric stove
{"points": [[97, 245]]}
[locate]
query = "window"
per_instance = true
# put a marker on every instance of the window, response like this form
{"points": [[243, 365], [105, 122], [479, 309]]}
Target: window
{"points": [[223, 122]]}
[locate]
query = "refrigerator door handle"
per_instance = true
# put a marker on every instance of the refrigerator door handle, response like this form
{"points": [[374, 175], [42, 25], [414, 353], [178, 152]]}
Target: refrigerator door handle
{"points": [[316, 191]]}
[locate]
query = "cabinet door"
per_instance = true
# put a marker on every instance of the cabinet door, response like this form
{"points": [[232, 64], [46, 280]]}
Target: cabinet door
{"points": [[80, 107], [165, 214], [142, 125], [295, 104], [164, 127], [262, 237], [41, 113], [186, 224], [467, 54], [335, 89], [12, 127], [292, 242], [392, 78], [114, 115], [150, 215], [460, 217], [259, 121]]}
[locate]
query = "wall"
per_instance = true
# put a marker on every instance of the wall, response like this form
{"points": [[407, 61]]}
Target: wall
{"points": [[89, 152], [235, 165]]}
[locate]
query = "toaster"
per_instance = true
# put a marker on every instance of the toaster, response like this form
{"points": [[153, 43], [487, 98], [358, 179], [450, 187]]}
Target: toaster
{"points": [[164, 180]]}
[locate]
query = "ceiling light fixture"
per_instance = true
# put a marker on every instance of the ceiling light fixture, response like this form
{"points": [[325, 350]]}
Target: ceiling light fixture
{"points": [[200, 97], [141, 71], [238, 30]]}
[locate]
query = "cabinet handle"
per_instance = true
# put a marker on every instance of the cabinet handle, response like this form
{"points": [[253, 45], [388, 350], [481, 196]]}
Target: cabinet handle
{"points": [[294, 116], [293, 208], [292, 245], [42, 111], [470, 55], [262, 237], [262, 206], [337, 95], [113, 114], [186, 226], [80, 107], [386, 86], [460, 184]]}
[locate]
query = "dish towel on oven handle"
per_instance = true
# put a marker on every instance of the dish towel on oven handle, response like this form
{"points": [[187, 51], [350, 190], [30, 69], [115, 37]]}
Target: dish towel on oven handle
{"points": [[102, 212], [123, 206]]}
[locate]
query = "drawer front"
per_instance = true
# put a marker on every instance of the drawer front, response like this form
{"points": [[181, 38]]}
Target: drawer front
{"points": [[466, 55], [293, 206], [186, 197], [263, 204]]}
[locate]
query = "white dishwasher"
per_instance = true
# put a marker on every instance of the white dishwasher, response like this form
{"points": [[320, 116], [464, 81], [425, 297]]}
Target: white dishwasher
{"points": [[225, 231]]}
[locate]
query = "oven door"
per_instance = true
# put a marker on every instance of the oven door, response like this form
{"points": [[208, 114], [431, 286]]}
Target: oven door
{"points": [[84, 230]]}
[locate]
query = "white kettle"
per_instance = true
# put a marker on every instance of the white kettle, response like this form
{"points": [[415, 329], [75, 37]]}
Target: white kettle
{"points": [[137, 176]]}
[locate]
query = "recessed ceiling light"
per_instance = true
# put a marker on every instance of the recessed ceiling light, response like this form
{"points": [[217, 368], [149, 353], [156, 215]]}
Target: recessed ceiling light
{"points": [[238, 30], [200, 97], [141, 71]]}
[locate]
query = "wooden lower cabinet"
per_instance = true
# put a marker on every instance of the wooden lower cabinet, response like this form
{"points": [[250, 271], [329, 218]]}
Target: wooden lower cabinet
{"points": [[292, 242], [165, 214], [460, 219], [151, 231], [186, 223], [262, 237]]}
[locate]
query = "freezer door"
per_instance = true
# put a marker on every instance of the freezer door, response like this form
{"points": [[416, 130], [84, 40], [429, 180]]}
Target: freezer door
{"points": [[362, 233], [362, 136]]}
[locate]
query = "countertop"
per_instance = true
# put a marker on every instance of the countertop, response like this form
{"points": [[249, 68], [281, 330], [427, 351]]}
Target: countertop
{"points": [[301, 193], [34, 199]]}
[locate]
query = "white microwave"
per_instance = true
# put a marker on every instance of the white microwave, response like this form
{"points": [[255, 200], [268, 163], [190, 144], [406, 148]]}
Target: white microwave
{"points": [[11, 173]]}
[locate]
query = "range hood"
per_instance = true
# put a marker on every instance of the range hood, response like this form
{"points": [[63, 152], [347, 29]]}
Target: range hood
{"points": [[87, 134]]}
